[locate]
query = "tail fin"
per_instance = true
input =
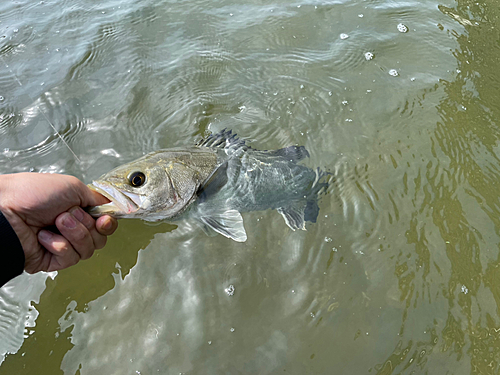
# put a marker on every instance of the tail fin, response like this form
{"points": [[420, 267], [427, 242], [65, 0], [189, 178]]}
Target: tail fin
{"points": [[319, 186]]}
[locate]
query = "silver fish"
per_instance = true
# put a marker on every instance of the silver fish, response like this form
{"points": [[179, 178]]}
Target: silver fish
{"points": [[214, 181]]}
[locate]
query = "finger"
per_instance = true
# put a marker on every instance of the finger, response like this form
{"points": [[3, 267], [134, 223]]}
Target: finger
{"points": [[95, 198], [87, 196], [75, 232], [64, 255], [106, 225], [89, 223]]}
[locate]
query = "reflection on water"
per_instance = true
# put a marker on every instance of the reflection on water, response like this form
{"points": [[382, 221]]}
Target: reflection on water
{"points": [[17, 313], [398, 100]]}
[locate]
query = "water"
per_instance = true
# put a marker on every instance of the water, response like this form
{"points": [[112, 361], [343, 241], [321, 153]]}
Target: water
{"points": [[398, 99]]}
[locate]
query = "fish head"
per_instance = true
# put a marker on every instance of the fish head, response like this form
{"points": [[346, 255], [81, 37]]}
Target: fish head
{"points": [[147, 188]]}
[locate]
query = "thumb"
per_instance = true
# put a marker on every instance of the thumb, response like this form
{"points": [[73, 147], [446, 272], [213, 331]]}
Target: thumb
{"points": [[95, 198], [90, 197]]}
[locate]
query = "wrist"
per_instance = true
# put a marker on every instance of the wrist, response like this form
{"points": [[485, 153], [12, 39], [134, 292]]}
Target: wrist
{"points": [[12, 249], [7, 206]]}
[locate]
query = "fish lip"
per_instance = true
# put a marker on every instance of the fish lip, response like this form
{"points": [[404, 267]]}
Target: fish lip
{"points": [[120, 203]]}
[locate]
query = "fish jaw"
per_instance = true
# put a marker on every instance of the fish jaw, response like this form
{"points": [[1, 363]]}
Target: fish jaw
{"points": [[122, 204]]}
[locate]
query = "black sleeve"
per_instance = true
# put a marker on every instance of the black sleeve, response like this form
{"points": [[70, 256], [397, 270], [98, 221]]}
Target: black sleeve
{"points": [[11, 252]]}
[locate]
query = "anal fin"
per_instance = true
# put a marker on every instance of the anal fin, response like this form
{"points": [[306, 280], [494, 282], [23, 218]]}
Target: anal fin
{"points": [[294, 216]]}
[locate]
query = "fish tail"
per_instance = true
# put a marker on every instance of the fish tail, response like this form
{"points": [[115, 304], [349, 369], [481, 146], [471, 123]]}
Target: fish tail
{"points": [[319, 186]]}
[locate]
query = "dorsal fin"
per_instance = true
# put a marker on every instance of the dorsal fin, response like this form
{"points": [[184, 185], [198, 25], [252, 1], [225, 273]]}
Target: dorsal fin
{"points": [[292, 153], [224, 139]]}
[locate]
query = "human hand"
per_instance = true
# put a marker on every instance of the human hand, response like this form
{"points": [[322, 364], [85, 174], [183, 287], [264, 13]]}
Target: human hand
{"points": [[34, 201]]}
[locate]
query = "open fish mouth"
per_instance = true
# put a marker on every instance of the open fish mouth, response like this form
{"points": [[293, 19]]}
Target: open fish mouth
{"points": [[122, 204]]}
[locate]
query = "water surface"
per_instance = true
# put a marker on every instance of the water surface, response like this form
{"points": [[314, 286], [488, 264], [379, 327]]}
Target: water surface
{"points": [[397, 99]]}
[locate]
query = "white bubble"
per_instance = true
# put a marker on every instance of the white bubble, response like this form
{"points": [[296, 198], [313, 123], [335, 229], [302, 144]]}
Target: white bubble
{"points": [[402, 28], [232, 329], [393, 72], [369, 56], [110, 152], [344, 36], [229, 290]]}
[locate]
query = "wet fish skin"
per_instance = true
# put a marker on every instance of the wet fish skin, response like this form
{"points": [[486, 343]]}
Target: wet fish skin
{"points": [[215, 181], [172, 179]]}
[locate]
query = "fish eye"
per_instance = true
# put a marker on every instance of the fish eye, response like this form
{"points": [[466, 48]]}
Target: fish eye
{"points": [[137, 179]]}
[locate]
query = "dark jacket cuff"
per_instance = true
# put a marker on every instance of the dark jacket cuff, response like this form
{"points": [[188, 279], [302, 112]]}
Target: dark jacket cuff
{"points": [[11, 252]]}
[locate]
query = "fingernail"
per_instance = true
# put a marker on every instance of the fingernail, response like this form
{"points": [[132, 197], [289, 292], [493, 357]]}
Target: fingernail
{"points": [[78, 213], [107, 224], [69, 221], [45, 235]]}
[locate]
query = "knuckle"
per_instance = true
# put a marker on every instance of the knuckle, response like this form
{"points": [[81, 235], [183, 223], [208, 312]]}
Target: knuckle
{"points": [[88, 221], [83, 217], [73, 180], [78, 236]]}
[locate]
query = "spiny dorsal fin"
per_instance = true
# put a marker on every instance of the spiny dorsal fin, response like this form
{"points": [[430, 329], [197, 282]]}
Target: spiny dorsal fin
{"points": [[224, 139]]}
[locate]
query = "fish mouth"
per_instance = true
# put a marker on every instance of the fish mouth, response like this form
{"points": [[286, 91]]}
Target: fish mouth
{"points": [[122, 204]]}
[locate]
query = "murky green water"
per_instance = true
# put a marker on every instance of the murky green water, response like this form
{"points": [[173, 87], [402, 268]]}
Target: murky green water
{"points": [[401, 273]]}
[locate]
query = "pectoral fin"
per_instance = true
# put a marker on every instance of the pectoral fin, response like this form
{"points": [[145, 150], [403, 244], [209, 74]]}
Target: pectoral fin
{"points": [[294, 216], [228, 223], [214, 183]]}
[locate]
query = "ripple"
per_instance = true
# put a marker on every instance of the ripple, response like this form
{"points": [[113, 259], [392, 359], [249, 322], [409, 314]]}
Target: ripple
{"points": [[131, 77], [9, 120], [57, 123], [145, 15], [106, 39]]}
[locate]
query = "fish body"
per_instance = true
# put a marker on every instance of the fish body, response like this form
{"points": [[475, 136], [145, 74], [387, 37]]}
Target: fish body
{"points": [[214, 181]]}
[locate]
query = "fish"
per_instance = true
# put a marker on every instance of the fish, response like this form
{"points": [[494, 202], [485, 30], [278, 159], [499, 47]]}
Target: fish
{"points": [[214, 181]]}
